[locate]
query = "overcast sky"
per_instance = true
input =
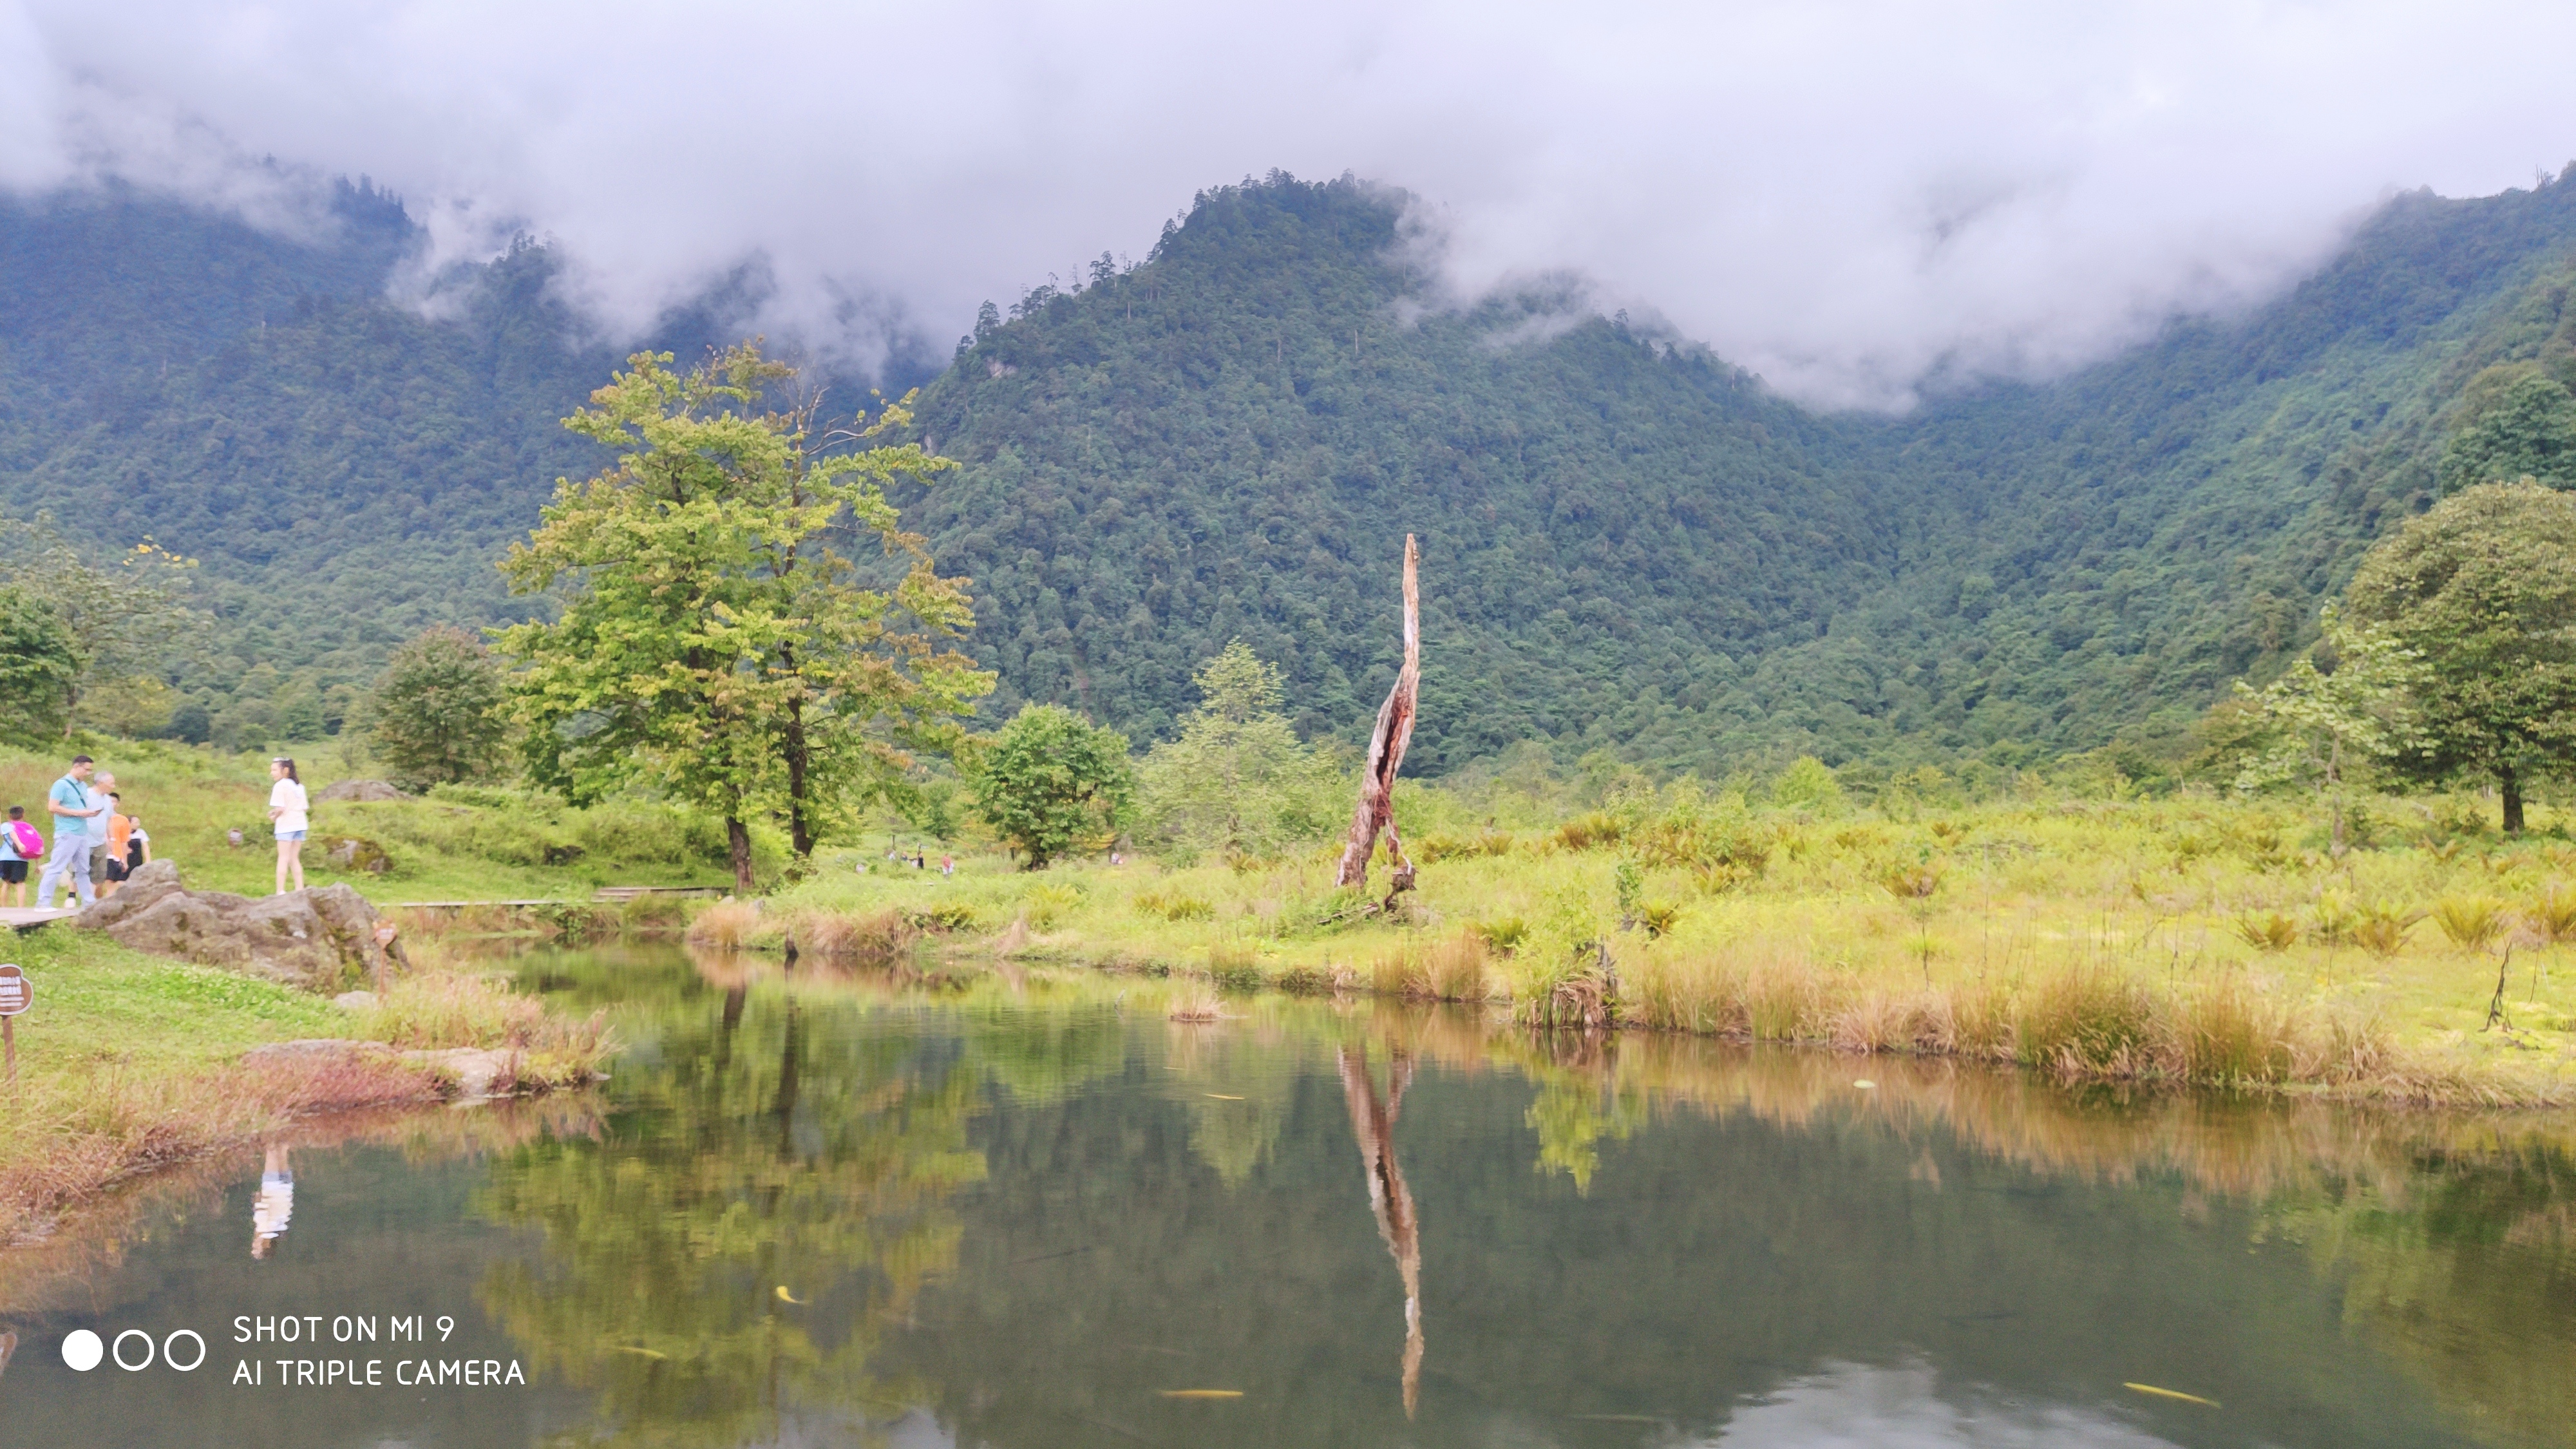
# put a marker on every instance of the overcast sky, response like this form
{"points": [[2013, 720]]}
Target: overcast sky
{"points": [[1843, 197]]}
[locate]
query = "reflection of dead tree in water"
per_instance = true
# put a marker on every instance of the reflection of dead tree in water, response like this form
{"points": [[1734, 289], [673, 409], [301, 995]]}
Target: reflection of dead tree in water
{"points": [[1373, 1123], [1386, 753]]}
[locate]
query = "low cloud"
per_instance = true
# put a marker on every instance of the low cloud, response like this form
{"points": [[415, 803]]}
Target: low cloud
{"points": [[1847, 198]]}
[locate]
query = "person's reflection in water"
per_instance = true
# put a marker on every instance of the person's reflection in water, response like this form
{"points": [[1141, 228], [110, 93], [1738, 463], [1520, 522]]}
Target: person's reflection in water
{"points": [[271, 1210], [1373, 1123]]}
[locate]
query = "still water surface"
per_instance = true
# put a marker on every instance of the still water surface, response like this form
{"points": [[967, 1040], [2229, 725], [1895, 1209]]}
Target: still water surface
{"points": [[842, 1207]]}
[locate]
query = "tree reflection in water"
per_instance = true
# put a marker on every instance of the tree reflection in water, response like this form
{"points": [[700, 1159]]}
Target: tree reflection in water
{"points": [[1373, 1123], [809, 1133], [724, 1262]]}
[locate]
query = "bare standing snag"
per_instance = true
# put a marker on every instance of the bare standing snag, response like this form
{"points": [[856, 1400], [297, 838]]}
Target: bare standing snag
{"points": [[1386, 752]]}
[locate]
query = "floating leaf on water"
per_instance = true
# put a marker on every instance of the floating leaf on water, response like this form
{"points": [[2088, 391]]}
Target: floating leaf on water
{"points": [[786, 1297], [1220, 1096], [641, 1352], [1866, 1085], [2169, 1394], [1202, 1393]]}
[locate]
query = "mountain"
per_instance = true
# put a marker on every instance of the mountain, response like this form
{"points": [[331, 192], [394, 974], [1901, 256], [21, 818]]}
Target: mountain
{"points": [[1628, 543]]}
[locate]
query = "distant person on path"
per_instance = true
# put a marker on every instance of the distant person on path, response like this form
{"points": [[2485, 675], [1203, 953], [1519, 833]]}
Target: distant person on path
{"points": [[287, 807], [19, 844], [138, 847], [947, 865], [104, 787], [120, 834], [274, 1207], [74, 804]]}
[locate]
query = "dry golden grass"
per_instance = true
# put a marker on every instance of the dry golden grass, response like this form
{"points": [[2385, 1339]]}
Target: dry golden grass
{"points": [[728, 925], [1196, 1004], [852, 936]]}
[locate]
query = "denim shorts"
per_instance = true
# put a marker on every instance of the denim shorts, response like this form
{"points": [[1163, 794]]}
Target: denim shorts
{"points": [[290, 835]]}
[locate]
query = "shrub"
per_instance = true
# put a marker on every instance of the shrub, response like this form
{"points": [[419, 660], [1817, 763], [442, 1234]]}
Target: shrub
{"points": [[1455, 969], [2089, 1023], [2229, 1035], [2553, 916], [1589, 832], [2472, 922], [726, 925], [2381, 929], [2267, 930], [1173, 906], [843, 934], [1049, 904]]}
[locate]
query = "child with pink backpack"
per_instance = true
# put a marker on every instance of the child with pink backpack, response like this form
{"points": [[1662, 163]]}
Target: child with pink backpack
{"points": [[19, 844]]}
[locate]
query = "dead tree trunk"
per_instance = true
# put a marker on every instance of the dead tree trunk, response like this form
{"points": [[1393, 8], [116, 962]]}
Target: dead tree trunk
{"points": [[1386, 752]]}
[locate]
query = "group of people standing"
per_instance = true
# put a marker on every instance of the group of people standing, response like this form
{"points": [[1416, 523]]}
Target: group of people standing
{"points": [[96, 843]]}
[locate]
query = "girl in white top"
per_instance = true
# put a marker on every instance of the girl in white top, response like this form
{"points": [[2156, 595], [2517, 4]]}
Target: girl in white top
{"points": [[286, 807]]}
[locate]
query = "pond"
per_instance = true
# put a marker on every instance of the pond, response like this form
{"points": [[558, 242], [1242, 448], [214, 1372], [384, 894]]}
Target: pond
{"points": [[1028, 1209]]}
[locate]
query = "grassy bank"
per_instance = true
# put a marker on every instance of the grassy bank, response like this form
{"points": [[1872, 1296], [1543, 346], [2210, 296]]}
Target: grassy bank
{"points": [[2186, 940], [129, 1063]]}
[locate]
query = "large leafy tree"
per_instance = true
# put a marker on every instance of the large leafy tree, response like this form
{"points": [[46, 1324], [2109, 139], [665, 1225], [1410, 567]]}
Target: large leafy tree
{"points": [[37, 665], [437, 710], [1238, 779], [2482, 590], [2323, 725], [713, 642], [1049, 779], [126, 620]]}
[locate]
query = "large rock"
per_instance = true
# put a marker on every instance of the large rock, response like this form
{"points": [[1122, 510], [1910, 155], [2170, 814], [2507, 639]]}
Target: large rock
{"points": [[321, 939], [359, 790]]}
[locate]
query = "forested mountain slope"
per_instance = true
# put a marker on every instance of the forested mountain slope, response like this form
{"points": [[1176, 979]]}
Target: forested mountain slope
{"points": [[1630, 544], [1627, 542], [1234, 438]]}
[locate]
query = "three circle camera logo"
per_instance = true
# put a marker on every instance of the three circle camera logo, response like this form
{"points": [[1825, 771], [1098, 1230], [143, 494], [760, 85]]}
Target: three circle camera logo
{"points": [[134, 1350]]}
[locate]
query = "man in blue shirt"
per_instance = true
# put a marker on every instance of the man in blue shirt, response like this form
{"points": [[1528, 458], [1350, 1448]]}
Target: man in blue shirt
{"points": [[74, 805]]}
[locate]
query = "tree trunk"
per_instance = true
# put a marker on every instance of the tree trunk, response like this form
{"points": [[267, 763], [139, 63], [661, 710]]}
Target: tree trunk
{"points": [[1394, 731], [2334, 785], [2512, 787], [800, 825], [738, 846]]}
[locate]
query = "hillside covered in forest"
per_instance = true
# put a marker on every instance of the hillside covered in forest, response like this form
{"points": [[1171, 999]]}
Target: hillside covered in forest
{"points": [[1628, 542]]}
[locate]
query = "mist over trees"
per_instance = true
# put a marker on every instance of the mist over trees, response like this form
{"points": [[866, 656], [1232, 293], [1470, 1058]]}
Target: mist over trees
{"points": [[1629, 545]]}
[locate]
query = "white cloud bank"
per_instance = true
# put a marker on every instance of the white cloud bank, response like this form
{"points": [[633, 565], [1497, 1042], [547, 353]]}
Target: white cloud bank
{"points": [[1845, 197]]}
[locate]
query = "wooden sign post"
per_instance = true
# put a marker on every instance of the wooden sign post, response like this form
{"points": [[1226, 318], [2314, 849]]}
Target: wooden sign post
{"points": [[16, 994]]}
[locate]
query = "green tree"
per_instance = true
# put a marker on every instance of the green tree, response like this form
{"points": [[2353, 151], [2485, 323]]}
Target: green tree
{"points": [[38, 666], [1049, 779], [2483, 590], [712, 642], [126, 621], [2324, 724], [438, 710], [2523, 425], [1238, 779]]}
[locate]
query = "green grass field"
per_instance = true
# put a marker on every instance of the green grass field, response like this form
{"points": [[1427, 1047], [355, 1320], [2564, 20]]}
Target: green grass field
{"points": [[463, 845], [2202, 939]]}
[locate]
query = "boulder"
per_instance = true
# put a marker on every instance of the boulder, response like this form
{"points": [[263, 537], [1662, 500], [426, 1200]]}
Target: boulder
{"points": [[353, 852], [469, 1074], [320, 939], [362, 791]]}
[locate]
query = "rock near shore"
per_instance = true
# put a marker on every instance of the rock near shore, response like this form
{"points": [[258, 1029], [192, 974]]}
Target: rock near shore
{"points": [[319, 939]]}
